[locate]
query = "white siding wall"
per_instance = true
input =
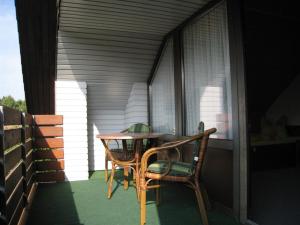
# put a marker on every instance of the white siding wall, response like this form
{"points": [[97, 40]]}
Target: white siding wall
{"points": [[116, 118], [104, 115], [136, 108], [72, 104]]}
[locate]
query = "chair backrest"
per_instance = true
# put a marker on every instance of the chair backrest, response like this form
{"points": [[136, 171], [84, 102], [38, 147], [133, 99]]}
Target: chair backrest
{"points": [[138, 128], [202, 149], [196, 148]]}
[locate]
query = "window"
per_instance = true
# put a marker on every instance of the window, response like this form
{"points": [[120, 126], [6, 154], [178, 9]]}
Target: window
{"points": [[207, 73], [162, 93]]}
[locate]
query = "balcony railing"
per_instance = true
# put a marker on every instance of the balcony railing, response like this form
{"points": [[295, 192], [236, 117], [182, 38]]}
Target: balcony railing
{"points": [[31, 151]]}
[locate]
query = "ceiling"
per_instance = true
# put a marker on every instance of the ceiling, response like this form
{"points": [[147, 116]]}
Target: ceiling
{"points": [[115, 42]]}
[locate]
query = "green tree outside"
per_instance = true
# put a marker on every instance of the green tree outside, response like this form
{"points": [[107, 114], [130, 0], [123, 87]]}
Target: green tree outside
{"points": [[9, 101]]}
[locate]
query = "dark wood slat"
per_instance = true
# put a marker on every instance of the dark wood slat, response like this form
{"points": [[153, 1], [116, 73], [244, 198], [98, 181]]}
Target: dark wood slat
{"points": [[28, 132], [29, 172], [30, 183], [12, 180], [11, 138], [28, 146], [28, 119], [49, 143], [49, 154], [11, 116], [48, 119], [17, 214], [28, 160], [12, 205], [49, 132], [50, 165], [12, 159], [58, 176]]}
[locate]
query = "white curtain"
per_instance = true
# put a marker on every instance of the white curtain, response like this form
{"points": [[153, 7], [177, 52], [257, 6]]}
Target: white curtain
{"points": [[162, 93], [207, 73]]}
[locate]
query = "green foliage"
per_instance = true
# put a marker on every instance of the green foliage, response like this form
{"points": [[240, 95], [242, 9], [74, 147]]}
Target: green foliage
{"points": [[9, 101]]}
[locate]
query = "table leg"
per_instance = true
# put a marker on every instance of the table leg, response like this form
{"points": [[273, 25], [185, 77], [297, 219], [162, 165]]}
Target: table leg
{"points": [[138, 144]]}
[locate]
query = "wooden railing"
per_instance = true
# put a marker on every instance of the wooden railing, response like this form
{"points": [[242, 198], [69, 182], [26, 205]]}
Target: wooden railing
{"points": [[31, 151], [48, 148]]}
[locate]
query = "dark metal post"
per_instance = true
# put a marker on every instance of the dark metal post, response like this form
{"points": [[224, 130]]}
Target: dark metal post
{"points": [[23, 139], [177, 83]]}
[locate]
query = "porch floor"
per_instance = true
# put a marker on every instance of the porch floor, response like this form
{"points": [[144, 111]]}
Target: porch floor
{"points": [[85, 203]]}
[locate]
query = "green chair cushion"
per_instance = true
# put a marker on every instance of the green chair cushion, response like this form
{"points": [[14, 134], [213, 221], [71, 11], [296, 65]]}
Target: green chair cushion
{"points": [[177, 168]]}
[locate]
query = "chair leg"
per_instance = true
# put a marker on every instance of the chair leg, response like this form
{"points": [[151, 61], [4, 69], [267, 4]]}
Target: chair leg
{"points": [[126, 177], [143, 206], [106, 169], [111, 181], [201, 205], [205, 197], [158, 194], [137, 182]]}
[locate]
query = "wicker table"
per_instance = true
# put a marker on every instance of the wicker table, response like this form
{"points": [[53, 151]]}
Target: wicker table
{"points": [[137, 139]]}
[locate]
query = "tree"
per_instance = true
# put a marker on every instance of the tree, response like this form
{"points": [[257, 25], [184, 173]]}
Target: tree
{"points": [[9, 101]]}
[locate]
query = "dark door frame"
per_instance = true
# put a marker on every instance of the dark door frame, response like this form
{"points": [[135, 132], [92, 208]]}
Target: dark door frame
{"points": [[239, 109]]}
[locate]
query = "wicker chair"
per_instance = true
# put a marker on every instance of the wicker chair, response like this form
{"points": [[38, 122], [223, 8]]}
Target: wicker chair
{"points": [[124, 157], [174, 171], [127, 146]]}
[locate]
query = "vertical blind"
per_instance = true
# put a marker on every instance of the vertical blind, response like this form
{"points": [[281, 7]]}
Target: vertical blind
{"points": [[207, 73], [163, 93]]}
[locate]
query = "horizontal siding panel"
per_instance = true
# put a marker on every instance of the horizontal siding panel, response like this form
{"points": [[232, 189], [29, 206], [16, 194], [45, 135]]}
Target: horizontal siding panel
{"points": [[66, 97], [77, 156], [71, 92], [119, 9], [116, 48], [72, 74], [106, 24], [94, 60], [71, 102], [102, 33], [105, 67], [105, 35], [108, 41], [76, 151], [70, 85], [75, 54], [173, 4], [138, 5]]}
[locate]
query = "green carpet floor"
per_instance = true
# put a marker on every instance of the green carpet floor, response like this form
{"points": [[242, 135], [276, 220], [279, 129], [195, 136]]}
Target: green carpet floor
{"points": [[85, 203]]}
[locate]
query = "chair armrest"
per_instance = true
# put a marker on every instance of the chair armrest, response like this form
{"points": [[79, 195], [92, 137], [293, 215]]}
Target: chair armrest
{"points": [[165, 147], [169, 146]]}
